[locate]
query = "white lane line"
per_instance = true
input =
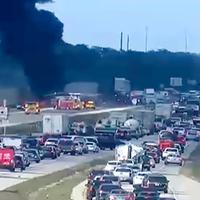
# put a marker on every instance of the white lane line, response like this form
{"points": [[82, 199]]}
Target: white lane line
{"points": [[173, 193]]}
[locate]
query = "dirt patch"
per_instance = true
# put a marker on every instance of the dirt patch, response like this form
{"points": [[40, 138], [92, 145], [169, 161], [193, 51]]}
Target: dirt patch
{"points": [[22, 191], [191, 168]]}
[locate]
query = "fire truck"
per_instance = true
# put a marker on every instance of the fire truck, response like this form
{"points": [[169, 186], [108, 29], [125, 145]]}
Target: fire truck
{"points": [[70, 102]]}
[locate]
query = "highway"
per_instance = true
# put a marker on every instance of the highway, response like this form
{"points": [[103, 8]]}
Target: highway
{"points": [[180, 187], [45, 167]]}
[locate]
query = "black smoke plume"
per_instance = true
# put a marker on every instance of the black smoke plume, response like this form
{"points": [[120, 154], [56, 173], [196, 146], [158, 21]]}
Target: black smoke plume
{"points": [[31, 36]]}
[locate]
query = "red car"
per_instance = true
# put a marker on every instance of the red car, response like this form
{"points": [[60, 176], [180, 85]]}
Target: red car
{"points": [[7, 159]]}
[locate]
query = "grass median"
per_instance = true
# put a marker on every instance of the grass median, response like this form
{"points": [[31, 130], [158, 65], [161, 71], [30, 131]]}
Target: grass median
{"points": [[57, 185], [191, 168]]}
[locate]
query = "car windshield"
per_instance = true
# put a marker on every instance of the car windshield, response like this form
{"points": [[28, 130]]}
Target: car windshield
{"points": [[65, 142], [91, 140], [90, 143], [112, 178], [118, 192], [123, 170], [112, 163], [160, 179], [141, 174], [108, 188], [128, 161], [149, 194], [52, 140], [171, 150], [31, 151]]}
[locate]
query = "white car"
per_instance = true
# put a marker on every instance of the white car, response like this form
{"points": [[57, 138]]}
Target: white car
{"points": [[92, 147], [174, 159], [51, 141], [111, 165], [180, 130], [138, 178], [124, 174], [193, 134], [169, 151]]}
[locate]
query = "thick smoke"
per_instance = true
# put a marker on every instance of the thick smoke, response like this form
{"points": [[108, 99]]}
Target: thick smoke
{"points": [[31, 37]]}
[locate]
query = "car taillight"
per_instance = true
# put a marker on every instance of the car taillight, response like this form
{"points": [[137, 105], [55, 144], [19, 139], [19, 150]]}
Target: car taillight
{"points": [[113, 198]]}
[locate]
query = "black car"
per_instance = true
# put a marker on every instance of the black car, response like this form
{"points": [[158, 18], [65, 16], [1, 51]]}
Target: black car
{"points": [[148, 195], [105, 189], [157, 181], [50, 152], [56, 147], [66, 146], [33, 155], [31, 142]]}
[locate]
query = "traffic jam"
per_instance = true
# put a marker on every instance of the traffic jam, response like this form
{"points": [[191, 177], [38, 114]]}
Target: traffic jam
{"points": [[134, 174], [18, 153]]}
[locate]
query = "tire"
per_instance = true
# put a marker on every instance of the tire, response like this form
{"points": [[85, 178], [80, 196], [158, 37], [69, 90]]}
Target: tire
{"points": [[166, 191], [72, 153], [38, 161], [23, 168], [12, 169], [153, 166]]}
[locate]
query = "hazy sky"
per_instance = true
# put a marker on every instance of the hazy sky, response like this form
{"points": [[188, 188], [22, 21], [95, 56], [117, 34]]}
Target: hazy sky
{"points": [[99, 23]]}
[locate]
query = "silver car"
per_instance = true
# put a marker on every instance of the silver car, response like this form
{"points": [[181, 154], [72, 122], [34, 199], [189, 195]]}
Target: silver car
{"points": [[174, 159]]}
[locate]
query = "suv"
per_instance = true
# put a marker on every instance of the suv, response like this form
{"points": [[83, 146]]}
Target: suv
{"points": [[79, 139], [157, 181], [66, 146]]}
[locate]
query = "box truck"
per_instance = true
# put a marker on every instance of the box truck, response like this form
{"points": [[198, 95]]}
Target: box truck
{"points": [[55, 124]]}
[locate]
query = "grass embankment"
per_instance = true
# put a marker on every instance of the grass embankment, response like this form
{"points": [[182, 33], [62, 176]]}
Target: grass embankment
{"points": [[192, 166], [58, 185]]}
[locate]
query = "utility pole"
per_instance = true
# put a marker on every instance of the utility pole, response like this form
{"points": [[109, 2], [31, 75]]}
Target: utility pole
{"points": [[121, 42], [186, 42], [128, 43], [146, 39]]}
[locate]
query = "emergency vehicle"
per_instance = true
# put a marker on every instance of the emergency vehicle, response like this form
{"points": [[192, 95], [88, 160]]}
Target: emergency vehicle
{"points": [[89, 105], [69, 102], [32, 107], [7, 159]]}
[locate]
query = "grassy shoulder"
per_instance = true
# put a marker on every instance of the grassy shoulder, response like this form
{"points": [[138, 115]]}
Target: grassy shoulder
{"points": [[53, 186], [191, 168]]}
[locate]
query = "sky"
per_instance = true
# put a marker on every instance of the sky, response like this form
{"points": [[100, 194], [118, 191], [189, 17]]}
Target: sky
{"points": [[99, 23]]}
